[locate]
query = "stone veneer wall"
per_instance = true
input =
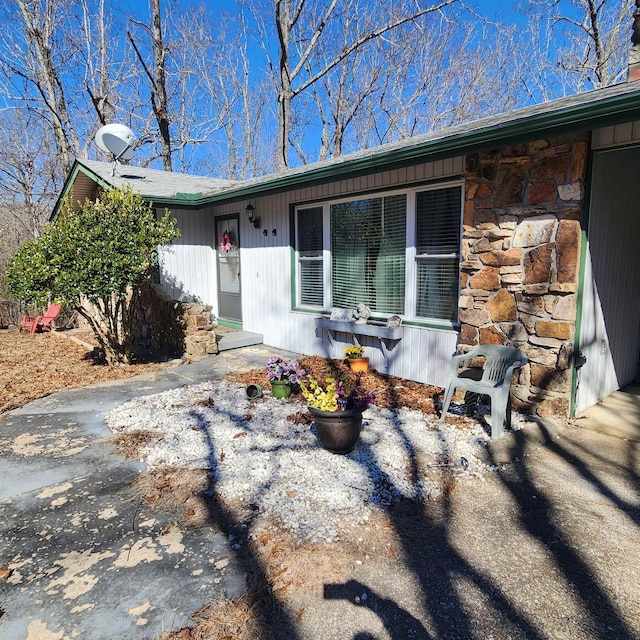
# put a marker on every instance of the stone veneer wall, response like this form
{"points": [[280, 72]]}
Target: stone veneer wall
{"points": [[169, 326], [519, 274]]}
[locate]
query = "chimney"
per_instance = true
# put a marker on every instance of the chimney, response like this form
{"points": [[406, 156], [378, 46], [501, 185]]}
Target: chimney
{"points": [[633, 70]]}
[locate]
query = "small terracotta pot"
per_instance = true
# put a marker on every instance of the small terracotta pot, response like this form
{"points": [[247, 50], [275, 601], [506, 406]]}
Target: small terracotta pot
{"points": [[359, 365]]}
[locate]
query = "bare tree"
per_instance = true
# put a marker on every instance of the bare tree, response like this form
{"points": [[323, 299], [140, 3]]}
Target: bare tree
{"points": [[232, 98], [29, 174], [300, 26], [422, 76], [32, 60], [157, 79], [595, 36]]}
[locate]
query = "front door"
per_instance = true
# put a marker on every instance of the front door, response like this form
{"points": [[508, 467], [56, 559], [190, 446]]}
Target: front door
{"points": [[228, 254]]}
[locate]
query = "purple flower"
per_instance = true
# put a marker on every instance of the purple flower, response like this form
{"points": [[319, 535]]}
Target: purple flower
{"points": [[288, 370]]}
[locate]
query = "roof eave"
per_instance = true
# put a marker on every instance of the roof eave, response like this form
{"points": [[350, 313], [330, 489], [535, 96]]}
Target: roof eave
{"points": [[76, 168], [606, 112], [592, 114]]}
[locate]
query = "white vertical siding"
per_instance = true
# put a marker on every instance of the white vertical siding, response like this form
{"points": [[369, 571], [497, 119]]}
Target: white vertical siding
{"points": [[187, 267], [618, 135], [610, 321], [422, 354], [597, 378]]}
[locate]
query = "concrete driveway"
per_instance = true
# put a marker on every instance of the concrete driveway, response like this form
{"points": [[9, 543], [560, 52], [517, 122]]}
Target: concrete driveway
{"points": [[546, 548]]}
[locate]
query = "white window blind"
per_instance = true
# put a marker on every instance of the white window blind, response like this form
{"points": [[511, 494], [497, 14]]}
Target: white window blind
{"points": [[438, 252], [310, 260]]}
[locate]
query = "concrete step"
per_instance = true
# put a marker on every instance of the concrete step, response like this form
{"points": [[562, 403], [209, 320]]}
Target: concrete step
{"points": [[231, 339]]}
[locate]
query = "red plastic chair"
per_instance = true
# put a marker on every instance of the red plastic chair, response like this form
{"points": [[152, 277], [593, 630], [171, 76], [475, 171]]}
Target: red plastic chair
{"points": [[41, 322]]}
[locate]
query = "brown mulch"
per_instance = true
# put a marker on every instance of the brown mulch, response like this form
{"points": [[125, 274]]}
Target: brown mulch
{"points": [[391, 392], [34, 366]]}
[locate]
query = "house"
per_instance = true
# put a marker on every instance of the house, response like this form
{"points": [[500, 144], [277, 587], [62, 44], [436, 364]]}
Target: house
{"points": [[514, 229]]}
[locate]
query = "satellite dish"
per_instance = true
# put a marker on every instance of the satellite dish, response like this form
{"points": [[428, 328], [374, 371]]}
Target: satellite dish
{"points": [[116, 139]]}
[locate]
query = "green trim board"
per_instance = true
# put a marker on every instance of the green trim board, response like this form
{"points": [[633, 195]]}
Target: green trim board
{"points": [[227, 323], [578, 328], [293, 272], [584, 247]]}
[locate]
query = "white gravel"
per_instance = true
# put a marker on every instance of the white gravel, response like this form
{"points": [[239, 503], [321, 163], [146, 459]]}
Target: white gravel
{"points": [[263, 460]]}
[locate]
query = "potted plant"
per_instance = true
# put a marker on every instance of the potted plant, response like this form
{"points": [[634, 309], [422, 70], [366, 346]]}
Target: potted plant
{"points": [[354, 355], [337, 411], [282, 374]]}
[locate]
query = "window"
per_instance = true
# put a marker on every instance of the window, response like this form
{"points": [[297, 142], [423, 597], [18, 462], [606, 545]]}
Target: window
{"points": [[368, 240], [437, 252], [397, 253], [310, 260]]}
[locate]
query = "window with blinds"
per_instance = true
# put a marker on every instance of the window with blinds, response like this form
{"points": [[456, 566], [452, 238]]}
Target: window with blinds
{"points": [[362, 253], [310, 259], [368, 240], [438, 252]]}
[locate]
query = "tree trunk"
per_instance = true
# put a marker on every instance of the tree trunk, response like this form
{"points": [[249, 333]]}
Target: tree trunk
{"points": [[159, 96]]}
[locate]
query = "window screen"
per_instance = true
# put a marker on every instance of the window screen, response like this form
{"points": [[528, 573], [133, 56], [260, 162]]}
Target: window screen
{"points": [[310, 261], [368, 239]]}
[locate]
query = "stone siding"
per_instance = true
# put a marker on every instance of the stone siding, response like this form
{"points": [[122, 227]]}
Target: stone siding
{"points": [[168, 326], [520, 262]]}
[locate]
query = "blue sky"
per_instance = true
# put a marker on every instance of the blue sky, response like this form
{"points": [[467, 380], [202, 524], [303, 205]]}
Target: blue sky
{"points": [[496, 9]]}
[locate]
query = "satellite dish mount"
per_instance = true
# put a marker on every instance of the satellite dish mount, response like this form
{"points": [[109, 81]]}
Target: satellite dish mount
{"points": [[117, 140]]}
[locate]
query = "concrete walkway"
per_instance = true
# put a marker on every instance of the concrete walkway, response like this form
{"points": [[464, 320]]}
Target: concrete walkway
{"points": [[87, 558], [618, 415]]}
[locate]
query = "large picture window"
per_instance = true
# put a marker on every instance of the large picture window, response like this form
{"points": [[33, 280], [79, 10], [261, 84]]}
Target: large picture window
{"points": [[396, 253]]}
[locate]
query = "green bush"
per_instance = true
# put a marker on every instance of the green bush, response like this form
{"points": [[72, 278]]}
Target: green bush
{"points": [[95, 259]]}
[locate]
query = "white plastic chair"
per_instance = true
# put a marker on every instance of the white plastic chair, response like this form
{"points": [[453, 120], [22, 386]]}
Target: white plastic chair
{"points": [[500, 363]]}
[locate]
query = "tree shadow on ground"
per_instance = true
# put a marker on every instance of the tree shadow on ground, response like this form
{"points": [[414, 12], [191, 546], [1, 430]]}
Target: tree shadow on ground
{"points": [[270, 616], [433, 557], [535, 512]]}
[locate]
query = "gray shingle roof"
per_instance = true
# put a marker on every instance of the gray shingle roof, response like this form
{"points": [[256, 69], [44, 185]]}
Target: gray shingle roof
{"points": [[579, 112], [155, 183]]}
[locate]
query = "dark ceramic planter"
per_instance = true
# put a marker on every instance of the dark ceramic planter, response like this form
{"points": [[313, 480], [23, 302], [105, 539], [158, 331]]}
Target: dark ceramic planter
{"points": [[338, 431]]}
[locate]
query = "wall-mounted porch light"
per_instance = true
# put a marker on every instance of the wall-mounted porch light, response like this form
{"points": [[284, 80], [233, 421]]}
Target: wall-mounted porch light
{"points": [[252, 219]]}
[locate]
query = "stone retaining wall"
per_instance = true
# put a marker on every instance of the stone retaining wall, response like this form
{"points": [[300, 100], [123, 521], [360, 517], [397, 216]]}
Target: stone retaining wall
{"points": [[519, 274], [166, 325]]}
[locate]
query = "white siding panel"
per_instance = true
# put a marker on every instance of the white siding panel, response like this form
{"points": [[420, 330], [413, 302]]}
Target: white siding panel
{"points": [[187, 267], [597, 379], [610, 329], [622, 134]]}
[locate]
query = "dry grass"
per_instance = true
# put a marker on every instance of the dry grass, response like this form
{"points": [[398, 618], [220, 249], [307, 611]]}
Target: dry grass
{"points": [[34, 366]]}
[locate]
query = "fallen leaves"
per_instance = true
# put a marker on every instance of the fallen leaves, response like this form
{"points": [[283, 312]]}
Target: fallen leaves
{"points": [[5, 573], [34, 366]]}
